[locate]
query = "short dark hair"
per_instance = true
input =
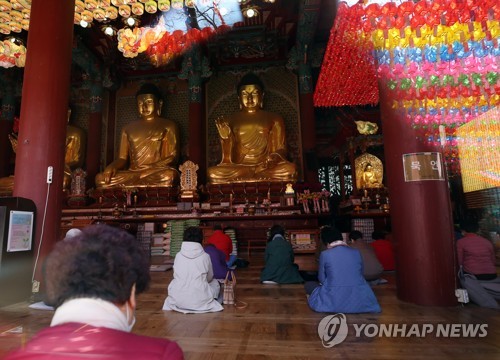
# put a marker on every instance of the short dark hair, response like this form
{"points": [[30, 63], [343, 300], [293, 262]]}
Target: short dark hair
{"points": [[193, 234], [330, 234], [102, 262], [355, 235], [470, 225], [149, 88], [276, 230], [378, 235], [250, 79]]}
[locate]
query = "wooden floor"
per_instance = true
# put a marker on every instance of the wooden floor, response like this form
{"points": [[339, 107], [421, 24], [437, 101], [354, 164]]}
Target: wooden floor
{"points": [[277, 324]]}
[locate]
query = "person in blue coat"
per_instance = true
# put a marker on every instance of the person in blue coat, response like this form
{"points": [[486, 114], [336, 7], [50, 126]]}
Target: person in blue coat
{"points": [[342, 287]]}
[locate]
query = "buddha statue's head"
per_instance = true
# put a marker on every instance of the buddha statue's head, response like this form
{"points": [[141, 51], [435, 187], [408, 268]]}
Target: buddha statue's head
{"points": [[149, 101], [251, 92]]}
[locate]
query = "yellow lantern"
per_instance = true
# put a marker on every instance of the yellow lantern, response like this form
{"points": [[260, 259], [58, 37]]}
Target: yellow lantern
{"points": [[163, 5], [151, 7]]}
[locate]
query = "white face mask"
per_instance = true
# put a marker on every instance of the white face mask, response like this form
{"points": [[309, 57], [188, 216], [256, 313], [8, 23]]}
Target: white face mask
{"points": [[130, 319]]}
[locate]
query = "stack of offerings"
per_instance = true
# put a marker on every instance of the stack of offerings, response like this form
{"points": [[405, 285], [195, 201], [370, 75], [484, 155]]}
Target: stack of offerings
{"points": [[232, 234], [158, 245]]}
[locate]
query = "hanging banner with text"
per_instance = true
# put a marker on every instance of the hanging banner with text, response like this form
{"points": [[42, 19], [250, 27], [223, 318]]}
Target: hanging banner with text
{"points": [[423, 166]]}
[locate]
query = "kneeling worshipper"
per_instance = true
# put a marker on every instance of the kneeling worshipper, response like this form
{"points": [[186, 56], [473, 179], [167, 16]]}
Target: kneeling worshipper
{"points": [[193, 288], [342, 287]]}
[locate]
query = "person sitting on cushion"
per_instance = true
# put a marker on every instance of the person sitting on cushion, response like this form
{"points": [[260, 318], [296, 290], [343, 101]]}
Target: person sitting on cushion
{"points": [[383, 250], [279, 258], [193, 288], [342, 287], [217, 258], [372, 268]]}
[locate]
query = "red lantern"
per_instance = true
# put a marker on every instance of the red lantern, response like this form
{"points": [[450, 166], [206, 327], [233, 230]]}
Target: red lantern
{"points": [[400, 22], [389, 9], [372, 10], [406, 8], [435, 7], [420, 8], [417, 21]]}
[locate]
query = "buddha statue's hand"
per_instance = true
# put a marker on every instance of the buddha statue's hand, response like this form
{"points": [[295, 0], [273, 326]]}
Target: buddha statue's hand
{"points": [[272, 160], [223, 127], [108, 174]]}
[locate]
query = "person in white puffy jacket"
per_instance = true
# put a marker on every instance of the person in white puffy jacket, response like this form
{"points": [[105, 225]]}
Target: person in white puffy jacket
{"points": [[193, 288]]}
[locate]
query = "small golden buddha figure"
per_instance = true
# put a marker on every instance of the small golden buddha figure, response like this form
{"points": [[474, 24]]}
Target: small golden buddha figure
{"points": [[75, 151], [369, 178], [149, 146], [253, 141]]}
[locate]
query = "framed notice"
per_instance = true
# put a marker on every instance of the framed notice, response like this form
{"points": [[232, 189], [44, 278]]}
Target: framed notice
{"points": [[423, 166], [20, 237]]}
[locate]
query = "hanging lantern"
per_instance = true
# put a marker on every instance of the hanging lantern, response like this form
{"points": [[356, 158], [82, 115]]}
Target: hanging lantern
{"points": [[177, 4], [164, 5], [151, 7]]}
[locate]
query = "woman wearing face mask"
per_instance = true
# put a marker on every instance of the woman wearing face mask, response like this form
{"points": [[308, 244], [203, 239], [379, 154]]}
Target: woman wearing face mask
{"points": [[92, 281]]}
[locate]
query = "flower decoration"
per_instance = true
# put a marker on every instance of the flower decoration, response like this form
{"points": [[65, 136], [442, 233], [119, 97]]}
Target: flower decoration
{"points": [[12, 54]]}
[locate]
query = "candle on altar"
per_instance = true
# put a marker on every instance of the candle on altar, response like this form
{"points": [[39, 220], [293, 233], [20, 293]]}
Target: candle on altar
{"points": [[100, 199]]}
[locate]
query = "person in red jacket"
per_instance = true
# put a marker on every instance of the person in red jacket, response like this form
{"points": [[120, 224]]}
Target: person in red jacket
{"points": [[383, 250], [223, 242], [92, 280]]}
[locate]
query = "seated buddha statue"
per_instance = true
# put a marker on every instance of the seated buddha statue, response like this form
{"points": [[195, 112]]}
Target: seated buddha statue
{"points": [[73, 158], [75, 151], [149, 147], [253, 141], [369, 178]]}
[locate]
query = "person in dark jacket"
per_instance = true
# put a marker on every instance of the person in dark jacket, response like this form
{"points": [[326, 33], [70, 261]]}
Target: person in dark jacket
{"points": [[279, 258], [92, 281]]}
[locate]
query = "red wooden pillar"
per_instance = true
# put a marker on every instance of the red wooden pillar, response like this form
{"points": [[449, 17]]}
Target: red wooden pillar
{"points": [[44, 111], [421, 220]]}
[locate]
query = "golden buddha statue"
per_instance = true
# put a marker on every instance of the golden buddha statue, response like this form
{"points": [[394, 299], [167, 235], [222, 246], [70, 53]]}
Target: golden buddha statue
{"points": [[73, 158], [369, 171], [150, 146], [253, 141], [369, 178], [75, 151]]}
